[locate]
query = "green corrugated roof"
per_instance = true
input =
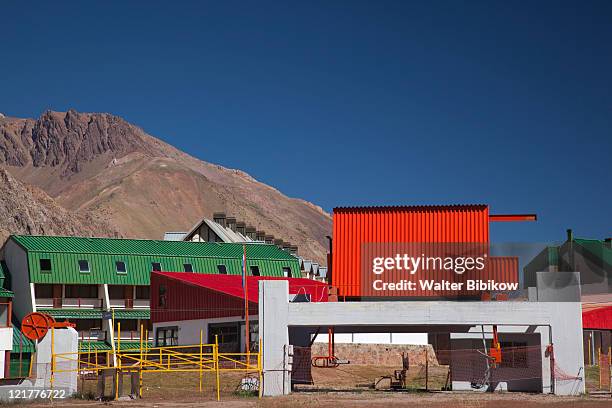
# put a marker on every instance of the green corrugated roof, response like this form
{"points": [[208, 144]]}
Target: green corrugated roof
{"points": [[116, 246], [102, 345], [73, 313], [132, 314], [97, 313], [597, 248], [27, 345], [5, 293], [94, 345], [131, 345], [137, 258]]}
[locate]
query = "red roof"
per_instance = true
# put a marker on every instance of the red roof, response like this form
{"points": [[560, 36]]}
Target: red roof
{"points": [[597, 318], [232, 284]]}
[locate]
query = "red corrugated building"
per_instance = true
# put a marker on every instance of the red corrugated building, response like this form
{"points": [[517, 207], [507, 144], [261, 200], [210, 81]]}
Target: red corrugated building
{"points": [[182, 304], [355, 226]]}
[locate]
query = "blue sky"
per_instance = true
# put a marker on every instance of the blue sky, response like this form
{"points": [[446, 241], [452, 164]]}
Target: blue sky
{"points": [[348, 103]]}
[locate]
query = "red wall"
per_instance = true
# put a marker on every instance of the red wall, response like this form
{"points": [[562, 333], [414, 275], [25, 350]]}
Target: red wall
{"points": [[354, 226], [186, 302]]}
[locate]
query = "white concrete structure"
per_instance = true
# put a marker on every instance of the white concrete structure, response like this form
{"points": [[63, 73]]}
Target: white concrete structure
{"points": [[64, 341], [6, 344], [557, 323]]}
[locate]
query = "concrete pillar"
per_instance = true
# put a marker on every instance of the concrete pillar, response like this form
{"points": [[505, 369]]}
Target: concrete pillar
{"points": [[65, 341], [274, 335]]}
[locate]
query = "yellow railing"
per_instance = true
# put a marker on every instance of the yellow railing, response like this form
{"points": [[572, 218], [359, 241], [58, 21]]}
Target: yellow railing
{"points": [[198, 358]]}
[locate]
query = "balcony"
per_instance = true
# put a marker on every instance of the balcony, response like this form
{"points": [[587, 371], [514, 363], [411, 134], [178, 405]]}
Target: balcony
{"points": [[129, 303], [81, 303], [70, 303]]}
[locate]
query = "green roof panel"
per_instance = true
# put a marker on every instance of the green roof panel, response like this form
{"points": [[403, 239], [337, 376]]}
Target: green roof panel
{"points": [[20, 342], [118, 246], [598, 248], [4, 293], [73, 313], [136, 258], [94, 345], [132, 314]]}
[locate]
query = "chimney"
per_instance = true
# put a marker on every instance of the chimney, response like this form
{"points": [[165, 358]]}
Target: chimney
{"points": [[251, 232], [293, 250], [260, 236], [241, 227], [219, 218], [231, 223], [269, 239], [278, 242], [287, 246]]}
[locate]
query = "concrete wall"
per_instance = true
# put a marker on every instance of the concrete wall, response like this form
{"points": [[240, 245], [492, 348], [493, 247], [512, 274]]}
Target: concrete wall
{"points": [[563, 320], [189, 330]]}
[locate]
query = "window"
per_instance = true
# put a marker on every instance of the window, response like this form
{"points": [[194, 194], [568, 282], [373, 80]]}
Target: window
{"points": [[161, 296], [156, 266], [254, 270], [187, 267], [116, 292], [222, 269], [82, 291], [287, 272], [228, 335], [166, 336], [83, 266], [143, 292], [120, 266], [45, 265], [43, 291]]}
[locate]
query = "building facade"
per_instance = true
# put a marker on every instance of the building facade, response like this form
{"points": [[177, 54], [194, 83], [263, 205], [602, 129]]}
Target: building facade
{"points": [[99, 283], [185, 305], [592, 259]]}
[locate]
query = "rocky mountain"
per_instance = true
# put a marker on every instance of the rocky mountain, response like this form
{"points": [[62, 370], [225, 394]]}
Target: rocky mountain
{"points": [[99, 167], [29, 210]]}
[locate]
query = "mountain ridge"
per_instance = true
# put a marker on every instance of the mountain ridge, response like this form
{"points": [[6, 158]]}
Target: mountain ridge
{"points": [[98, 163]]}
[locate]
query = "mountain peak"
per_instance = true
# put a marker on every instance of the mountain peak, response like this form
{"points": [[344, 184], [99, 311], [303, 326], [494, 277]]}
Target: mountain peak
{"points": [[103, 166]]}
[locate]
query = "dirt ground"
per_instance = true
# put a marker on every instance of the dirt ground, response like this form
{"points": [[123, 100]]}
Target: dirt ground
{"points": [[360, 399], [346, 386]]}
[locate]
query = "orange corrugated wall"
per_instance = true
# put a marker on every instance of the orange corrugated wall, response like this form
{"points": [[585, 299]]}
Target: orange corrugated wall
{"points": [[354, 226]]}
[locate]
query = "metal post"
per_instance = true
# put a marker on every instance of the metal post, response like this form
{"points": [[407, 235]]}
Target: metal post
{"points": [[599, 365], [259, 369], [216, 354], [118, 360], [201, 334], [52, 380], [140, 371]]}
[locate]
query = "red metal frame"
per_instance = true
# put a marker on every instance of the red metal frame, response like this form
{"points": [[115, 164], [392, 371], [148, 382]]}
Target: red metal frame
{"points": [[512, 217]]}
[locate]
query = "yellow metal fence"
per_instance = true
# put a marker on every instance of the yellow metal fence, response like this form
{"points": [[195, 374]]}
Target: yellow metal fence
{"points": [[196, 358]]}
